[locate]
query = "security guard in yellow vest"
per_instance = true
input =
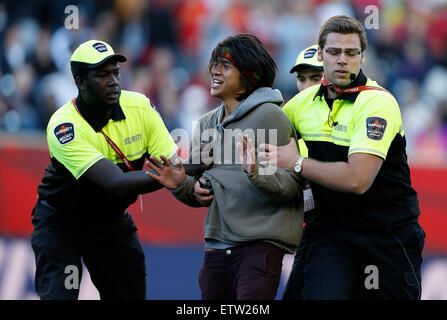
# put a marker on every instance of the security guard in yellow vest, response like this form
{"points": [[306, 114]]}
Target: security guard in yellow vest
{"points": [[309, 72], [98, 143], [362, 213]]}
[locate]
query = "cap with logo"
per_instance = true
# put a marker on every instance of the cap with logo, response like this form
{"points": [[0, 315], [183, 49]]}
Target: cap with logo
{"points": [[94, 53], [308, 58]]}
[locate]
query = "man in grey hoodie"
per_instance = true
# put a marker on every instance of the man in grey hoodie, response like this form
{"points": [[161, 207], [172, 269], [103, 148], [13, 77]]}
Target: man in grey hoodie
{"points": [[256, 213]]}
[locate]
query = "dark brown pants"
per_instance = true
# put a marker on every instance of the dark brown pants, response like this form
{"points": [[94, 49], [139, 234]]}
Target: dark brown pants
{"points": [[244, 272]]}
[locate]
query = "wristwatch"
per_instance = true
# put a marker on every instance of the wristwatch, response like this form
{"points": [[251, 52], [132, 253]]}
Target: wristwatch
{"points": [[299, 164]]}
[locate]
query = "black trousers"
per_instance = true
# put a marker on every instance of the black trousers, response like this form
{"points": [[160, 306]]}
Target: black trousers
{"points": [[295, 283], [337, 263], [111, 252]]}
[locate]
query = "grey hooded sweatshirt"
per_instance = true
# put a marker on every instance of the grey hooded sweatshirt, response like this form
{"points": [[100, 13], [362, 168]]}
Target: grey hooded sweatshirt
{"points": [[266, 205]]}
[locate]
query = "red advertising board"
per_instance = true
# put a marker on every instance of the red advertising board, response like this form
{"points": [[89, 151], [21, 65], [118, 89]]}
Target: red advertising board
{"points": [[166, 221]]}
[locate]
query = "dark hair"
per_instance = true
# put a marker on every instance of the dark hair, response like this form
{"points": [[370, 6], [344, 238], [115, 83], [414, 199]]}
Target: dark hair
{"points": [[342, 24], [248, 54]]}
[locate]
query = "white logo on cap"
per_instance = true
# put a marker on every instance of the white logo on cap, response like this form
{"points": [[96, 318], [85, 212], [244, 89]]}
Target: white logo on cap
{"points": [[310, 53], [101, 47]]}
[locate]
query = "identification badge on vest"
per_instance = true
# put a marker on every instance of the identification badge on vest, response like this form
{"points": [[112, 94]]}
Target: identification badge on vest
{"points": [[309, 203], [375, 128], [65, 132]]}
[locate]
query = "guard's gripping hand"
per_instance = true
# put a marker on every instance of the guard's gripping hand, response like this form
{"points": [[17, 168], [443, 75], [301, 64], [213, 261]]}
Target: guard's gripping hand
{"points": [[168, 175], [280, 156]]}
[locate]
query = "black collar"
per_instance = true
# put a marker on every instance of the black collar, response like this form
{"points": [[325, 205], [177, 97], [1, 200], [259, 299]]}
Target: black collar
{"points": [[359, 81], [95, 120]]}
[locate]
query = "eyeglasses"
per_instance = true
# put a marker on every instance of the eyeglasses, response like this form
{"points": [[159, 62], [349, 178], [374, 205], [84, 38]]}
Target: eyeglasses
{"points": [[336, 52]]}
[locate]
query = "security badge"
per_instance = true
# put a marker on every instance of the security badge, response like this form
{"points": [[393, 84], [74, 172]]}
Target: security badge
{"points": [[375, 128], [308, 197], [65, 133]]}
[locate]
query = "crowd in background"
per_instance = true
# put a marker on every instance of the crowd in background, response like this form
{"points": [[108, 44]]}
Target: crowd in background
{"points": [[168, 44]]}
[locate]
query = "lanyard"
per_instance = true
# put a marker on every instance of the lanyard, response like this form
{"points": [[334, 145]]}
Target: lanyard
{"points": [[325, 83], [117, 150], [111, 143]]}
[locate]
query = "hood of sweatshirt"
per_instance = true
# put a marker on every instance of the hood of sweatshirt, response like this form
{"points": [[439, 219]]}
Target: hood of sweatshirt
{"points": [[258, 97]]}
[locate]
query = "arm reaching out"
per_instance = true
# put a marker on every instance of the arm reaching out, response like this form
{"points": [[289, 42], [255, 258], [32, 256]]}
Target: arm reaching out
{"points": [[173, 177], [110, 177], [167, 175], [355, 176]]}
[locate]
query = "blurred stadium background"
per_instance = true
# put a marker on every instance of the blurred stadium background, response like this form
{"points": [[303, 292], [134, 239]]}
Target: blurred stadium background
{"points": [[168, 44]]}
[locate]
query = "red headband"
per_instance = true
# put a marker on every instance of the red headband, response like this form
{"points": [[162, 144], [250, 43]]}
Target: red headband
{"points": [[252, 76]]}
